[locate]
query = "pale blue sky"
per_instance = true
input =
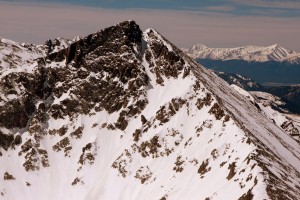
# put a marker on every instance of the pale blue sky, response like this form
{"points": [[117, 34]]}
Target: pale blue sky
{"points": [[216, 23]]}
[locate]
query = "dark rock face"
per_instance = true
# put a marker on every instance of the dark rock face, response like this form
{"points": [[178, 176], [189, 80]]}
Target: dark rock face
{"points": [[6, 140], [13, 115], [167, 63], [128, 33], [23, 91], [102, 72], [100, 53]]}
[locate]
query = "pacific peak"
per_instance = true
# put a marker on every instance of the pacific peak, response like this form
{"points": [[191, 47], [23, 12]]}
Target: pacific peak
{"points": [[125, 114]]}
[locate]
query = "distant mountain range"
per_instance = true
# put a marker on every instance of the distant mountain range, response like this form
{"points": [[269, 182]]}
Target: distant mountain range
{"points": [[247, 53], [269, 66]]}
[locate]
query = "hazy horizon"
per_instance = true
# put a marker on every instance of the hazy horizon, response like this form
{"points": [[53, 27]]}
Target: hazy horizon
{"points": [[219, 23]]}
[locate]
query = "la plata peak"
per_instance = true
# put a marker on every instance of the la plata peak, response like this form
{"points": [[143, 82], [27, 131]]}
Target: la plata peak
{"points": [[249, 53], [124, 114]]}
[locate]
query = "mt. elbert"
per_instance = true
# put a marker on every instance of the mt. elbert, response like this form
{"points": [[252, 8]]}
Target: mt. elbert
{"points": [[124, 114]]}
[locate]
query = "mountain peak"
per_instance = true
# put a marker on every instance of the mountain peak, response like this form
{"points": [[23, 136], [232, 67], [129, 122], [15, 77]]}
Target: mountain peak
{"points": [[131, 30], [274, 46], [116, 38]]}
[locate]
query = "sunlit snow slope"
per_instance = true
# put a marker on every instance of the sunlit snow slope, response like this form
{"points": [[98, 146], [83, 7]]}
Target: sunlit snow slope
{"points": [[124, 114], [270, 107]]}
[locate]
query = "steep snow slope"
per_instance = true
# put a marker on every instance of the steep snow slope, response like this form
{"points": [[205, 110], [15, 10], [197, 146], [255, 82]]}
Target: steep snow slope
{"points": [[270, 106], [124, 114], [247, 53], [243, 92]]}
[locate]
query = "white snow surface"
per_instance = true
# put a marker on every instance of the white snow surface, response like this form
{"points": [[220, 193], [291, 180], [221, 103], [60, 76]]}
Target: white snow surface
{"points": [[15, 57], [196, 154], [247, 53], [242, 92]]}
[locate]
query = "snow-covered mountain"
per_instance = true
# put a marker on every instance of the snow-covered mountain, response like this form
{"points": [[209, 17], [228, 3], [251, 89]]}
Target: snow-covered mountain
{"points": [[124, 114], [246, 53]]}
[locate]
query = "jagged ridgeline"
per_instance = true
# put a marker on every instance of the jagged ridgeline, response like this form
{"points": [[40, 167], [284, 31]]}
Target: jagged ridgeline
{"points": [[124, 114]]}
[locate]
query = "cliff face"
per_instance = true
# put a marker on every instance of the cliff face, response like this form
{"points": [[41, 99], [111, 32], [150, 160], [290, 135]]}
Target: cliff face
{"points": [[124, 114]]}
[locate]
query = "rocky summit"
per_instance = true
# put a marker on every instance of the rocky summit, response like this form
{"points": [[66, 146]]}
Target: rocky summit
{"points": [[124, 114]]}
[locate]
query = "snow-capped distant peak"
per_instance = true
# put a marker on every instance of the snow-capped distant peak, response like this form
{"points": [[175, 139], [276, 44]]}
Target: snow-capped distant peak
{"points": [[250, 53]]}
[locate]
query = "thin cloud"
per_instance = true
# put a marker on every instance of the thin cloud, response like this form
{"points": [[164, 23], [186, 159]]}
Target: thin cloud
{"points": [[287, 4], [220, 8]]}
